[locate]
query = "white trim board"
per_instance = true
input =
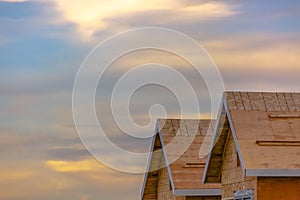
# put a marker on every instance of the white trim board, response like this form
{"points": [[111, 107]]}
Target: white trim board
{"points": [[273, 172], [198, 192]]}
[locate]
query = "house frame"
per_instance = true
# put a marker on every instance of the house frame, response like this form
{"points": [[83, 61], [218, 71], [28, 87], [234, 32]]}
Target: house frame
{"points": [[256, 146], [171, 175]]}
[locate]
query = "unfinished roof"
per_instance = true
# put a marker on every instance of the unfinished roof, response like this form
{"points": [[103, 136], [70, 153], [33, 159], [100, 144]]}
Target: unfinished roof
{"points": [[266, 130], [180, 139], [263, 101]]}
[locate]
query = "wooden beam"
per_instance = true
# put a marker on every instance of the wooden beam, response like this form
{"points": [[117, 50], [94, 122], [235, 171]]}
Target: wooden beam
{"points": [[194, 165], [278, 142], [290, 115]]}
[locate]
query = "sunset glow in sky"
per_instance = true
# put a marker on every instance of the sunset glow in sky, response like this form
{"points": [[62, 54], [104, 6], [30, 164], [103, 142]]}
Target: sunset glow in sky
{"points": [[255, 44]]}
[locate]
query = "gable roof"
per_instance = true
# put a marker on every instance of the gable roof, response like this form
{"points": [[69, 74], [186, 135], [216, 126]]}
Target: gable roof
{"points": [[180, 142], [266, 131]]}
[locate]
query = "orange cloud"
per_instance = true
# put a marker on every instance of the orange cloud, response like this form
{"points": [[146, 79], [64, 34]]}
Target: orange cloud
{"points": [[15, 175], [74, 166], [93, 15], [231, 54]]}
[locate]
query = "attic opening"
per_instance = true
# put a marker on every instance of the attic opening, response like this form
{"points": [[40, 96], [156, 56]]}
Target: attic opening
{"points": [[217, 153], [238, 164]]}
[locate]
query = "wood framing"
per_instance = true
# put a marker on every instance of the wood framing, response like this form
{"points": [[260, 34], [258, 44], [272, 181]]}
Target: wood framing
{"points": [[256, 146], [175, 168]]}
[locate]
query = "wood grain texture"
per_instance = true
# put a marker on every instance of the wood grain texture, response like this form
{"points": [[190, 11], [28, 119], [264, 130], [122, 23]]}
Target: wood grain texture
{"points": [[182, 140]]}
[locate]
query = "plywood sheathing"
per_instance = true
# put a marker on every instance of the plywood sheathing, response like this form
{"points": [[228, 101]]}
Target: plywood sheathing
{"points": [[233, 177], [263, 101], [267, 130], [164, 186], [187, 170], [254, 126], [250, 113]]}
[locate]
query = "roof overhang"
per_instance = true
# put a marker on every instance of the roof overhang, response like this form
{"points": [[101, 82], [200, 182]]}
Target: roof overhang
{"points": [[148, 164], [197, 192], [273, 172]]}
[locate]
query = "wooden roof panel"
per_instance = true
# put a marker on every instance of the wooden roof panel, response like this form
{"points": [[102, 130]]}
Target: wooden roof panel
{"points": [[188, 168], [251, 127], [265, 131], [263, 101], [296, 98]]}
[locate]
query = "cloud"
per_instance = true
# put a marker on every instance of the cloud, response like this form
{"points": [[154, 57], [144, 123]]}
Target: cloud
{"points": [[276, 52], [93, 15], [13, 1], [38, 147], [212, 9], [257, 62], [13, 175], [74, 166]]}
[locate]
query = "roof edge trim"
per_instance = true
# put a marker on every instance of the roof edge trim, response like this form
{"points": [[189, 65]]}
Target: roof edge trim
{"points": [[198, 192], [273, 172], [149, 162], [165, 156], [234, 135]]}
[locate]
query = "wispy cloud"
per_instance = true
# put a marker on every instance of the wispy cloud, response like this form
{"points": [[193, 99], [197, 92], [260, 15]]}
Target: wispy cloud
{"points": [[42, 48], [93, 15], [13, 1], [74, 166]]}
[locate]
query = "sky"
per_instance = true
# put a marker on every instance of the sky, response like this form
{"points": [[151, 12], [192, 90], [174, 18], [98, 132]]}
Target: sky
{"points": [[255, 45]]}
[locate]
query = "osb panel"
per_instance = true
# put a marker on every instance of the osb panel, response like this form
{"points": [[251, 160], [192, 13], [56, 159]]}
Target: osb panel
{"points": [[271, 102], [296, 98], [290, 102], [182, 144], [150, 191], [164, 190], [246, 101], [233, 177], [285, 128], [230, 101], [177, 126], [278, 188], [192, 127], [179, 139], [282, 102], [238, 101], [263, 101], [172, 127], [183, 128], [151, 187], [166, 196], [253, 126], [166, 126], [257, 101], [183, 140]]}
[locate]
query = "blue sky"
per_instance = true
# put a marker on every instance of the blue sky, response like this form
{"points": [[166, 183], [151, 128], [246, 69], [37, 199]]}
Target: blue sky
{"points": [[255, 44]]}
